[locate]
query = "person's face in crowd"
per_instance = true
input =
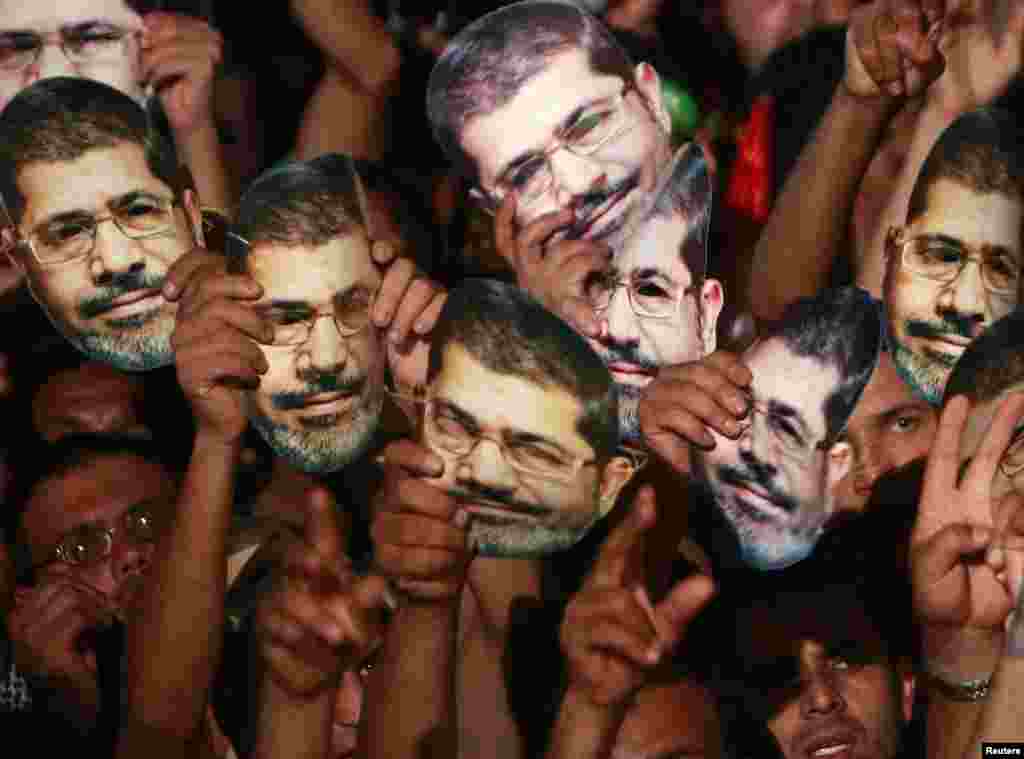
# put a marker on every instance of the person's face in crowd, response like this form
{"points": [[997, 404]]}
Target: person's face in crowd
{"points": [[113, 492], [825, 682], [94, 39], [656, 316], [760, 27], [320, 403], [573, 138], [102, 292], [91, 398], [530, 483], [775, 484], [934, 317], [653, 729], [1010, 473], [889, 428]]}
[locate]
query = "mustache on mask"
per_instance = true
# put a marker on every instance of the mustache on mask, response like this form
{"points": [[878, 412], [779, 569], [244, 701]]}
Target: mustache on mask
{"points": [[953, 324], [741, 478], [588, 203], [326, 383], [121, 284], [626, 353], [490, 497]]}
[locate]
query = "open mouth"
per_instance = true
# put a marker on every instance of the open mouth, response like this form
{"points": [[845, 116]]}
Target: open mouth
{"points": [[833, 745], [325, 404], [630, 374]]}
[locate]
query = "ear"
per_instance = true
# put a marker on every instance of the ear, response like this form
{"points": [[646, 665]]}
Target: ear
{"points": [[190, 204], [617, 472], [648, 83], [8, 245], [840, 462], [712, 298]]}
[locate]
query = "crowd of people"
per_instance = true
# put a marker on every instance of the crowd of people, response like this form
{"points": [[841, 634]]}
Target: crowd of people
{"points": [[579, 380]]}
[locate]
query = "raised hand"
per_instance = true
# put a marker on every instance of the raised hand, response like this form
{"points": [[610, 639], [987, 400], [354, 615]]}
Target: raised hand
{"points": [[959, 593], [419, 533], [179, 58], [216, 340], [612, 635], [556, 275], [981, 43], [47, 627], [407, 306], [682, 401], [892, 48], [322, 620]]}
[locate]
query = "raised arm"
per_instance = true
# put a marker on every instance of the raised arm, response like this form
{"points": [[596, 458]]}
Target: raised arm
{"points": [[174, 640], [981, 43], [889, 56]]}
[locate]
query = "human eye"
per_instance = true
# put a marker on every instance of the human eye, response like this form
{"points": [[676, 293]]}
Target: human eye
{"points": [[353, 308], [526, 173], [540, 456], [451, 424], [906, 423], [1002, 270], [589, 127], [942, 253], [13, 45], [786, 431], [65, 231], [91, 36]]}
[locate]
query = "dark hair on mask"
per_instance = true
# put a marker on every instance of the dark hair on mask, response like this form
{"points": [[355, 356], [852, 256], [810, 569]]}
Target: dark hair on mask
{"points": [[981, 150], [510, 333], [60, 119], [489, 61], [299, 203], [993, 362], [688, 192], [841, 328]]}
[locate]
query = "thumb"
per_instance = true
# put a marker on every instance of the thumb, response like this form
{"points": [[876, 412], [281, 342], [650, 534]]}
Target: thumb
{"points": [[323, 533], [681, 606]]}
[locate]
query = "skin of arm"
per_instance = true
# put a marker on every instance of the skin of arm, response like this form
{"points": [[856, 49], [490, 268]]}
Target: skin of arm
{"points": [[410, 695], [201, 151], [299, 729], [802, 238], [585, 729], [183, 611], [348, 111]]}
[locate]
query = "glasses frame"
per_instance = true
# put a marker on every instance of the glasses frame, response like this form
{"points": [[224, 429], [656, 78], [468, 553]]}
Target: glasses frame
{"points": [[57, 38], [29, 240], [60, 552], [345, 333], [427, 401], [621, 283], [896, 239], [802, 456], [618, 102]]}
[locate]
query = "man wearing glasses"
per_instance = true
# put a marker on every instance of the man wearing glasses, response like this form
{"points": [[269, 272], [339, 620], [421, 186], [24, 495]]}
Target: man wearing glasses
{"points": [[544, 114], [775, 480], [89, 515], [131, 46], [955, 267], [97, 212], [653, 305], [524, 417]]}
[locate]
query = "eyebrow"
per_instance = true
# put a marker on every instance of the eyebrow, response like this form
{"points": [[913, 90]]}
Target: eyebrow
{"points": [[528, 155], [286, 304], [652, 272]]}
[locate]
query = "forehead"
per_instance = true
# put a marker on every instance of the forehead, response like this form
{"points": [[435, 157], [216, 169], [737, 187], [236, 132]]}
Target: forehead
{"points": [[99, 490], [503, 401], [87, 183], [974, 218], [530, 119], [48, 14], [657, 245], [784, 627], [799, 381], [313, 274]]}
